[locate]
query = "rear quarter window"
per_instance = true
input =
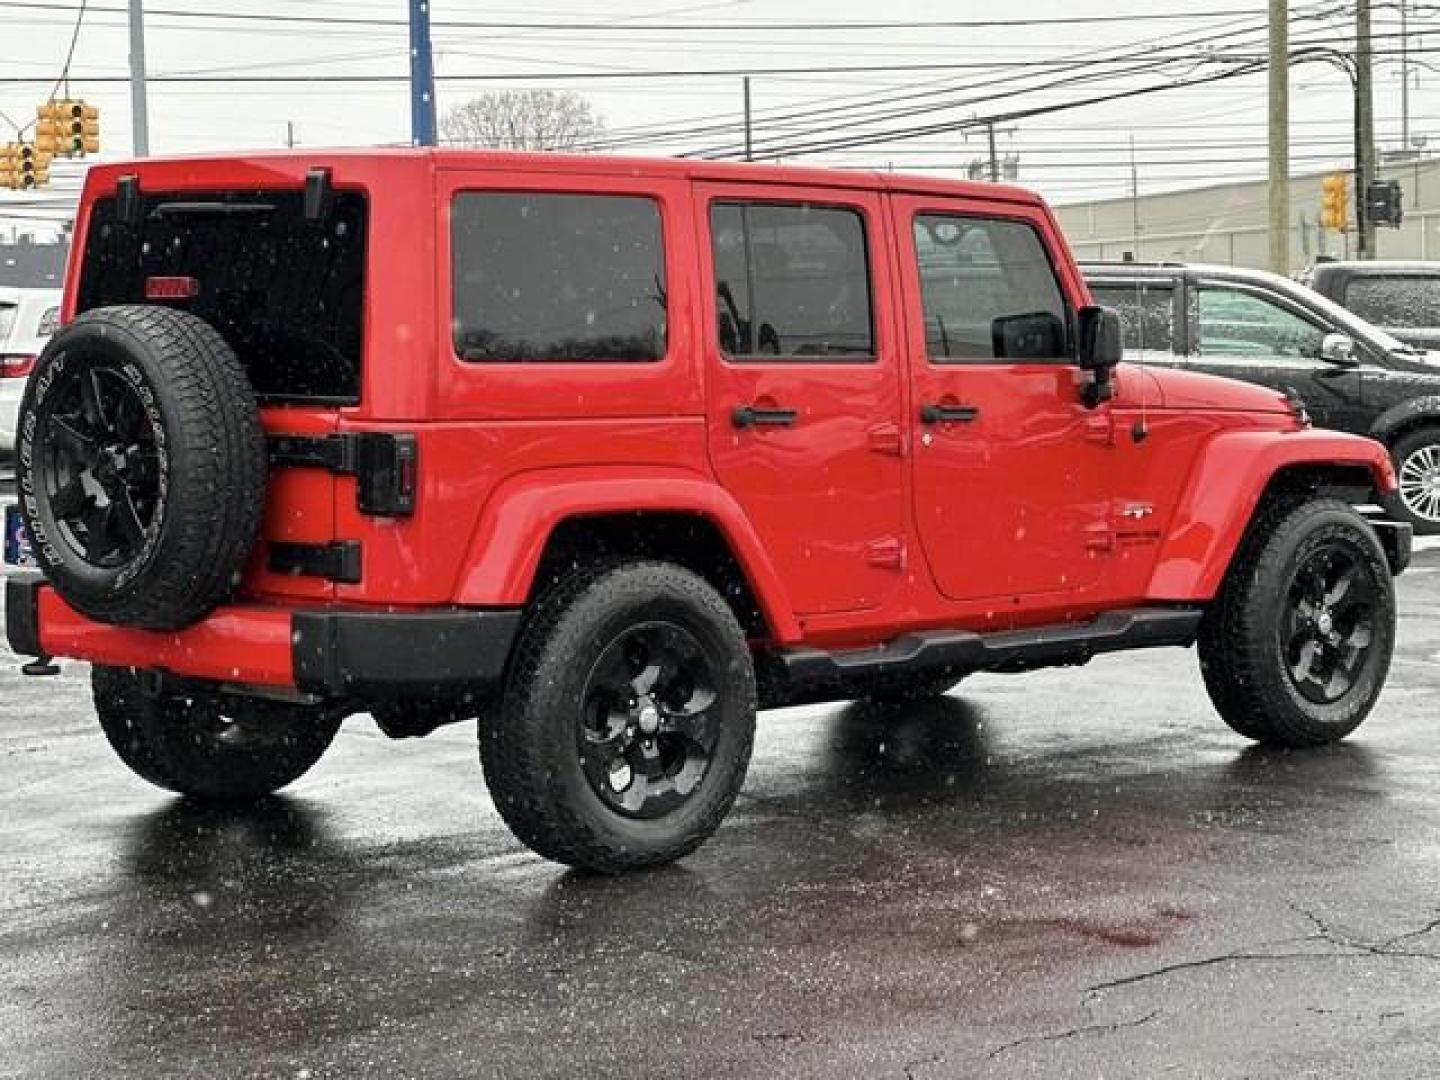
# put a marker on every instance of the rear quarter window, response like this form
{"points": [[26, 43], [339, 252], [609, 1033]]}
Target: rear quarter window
{"points": [[1395, 301], [1147, 313], [556, 277]]}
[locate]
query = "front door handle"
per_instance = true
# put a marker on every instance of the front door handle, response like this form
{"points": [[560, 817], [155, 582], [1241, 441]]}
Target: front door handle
{"points": [[746, 416], [948, 414]]}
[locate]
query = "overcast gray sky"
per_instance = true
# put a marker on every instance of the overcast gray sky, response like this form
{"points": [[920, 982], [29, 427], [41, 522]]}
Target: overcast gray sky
{"points": [[1188, 135]]}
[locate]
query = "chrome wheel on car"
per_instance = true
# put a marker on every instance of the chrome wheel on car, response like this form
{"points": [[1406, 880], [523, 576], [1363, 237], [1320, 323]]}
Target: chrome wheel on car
{"points": [[1329, 628], [1419, 475]]}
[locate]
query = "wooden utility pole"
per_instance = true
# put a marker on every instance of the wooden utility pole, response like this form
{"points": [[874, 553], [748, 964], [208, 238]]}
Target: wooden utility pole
{"points": [[1364, 129], [1279, 115]]}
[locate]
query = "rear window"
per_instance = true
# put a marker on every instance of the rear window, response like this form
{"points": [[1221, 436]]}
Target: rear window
{"points": [[1395, 301], [553, 277], [287, 293]]}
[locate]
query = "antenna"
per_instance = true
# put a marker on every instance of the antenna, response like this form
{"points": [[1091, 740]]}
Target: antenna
{"points": [[1141, 431]]}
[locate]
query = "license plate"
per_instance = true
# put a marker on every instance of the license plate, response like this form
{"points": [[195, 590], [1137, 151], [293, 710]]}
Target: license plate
{"points": [[18, 551]]}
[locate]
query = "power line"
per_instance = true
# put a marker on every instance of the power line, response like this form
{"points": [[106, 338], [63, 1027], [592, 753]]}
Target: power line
{"points": [[737, 26], [65, 68], [772, 118]]}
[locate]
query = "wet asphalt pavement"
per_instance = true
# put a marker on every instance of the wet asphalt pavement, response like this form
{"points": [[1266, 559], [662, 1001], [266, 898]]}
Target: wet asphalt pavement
{"points": [[1077, 873]]}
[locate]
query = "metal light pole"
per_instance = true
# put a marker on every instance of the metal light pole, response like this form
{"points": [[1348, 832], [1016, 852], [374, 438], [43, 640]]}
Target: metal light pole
{"points": [[139, 112], [749, 155], [422, 76]]}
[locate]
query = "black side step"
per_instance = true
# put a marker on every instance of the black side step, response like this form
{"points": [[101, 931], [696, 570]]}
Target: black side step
{"points": [[963, 651]]}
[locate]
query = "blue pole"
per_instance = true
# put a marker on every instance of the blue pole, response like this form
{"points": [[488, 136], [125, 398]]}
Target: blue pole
{"points": [[422, 76]]}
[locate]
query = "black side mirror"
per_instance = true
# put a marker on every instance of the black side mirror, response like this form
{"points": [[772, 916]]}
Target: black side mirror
{"points": [[1036, 335], [1099, 347]]}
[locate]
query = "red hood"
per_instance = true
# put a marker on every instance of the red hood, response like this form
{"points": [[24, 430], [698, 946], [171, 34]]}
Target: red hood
{"points": [[1188, 391]]}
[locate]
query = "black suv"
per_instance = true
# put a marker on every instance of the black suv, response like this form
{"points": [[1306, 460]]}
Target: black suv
{"points": [[1266, 329], [1402, 298]]}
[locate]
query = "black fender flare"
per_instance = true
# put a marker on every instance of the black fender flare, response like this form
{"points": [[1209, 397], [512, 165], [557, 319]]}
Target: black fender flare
{"points": [[1404, 415]]}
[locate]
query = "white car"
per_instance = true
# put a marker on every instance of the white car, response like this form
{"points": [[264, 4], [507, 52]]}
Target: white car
{"points": [[27, 319]]}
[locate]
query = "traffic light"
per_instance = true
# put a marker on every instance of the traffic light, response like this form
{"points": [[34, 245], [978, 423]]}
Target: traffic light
{"points": [[1335, 202], [34, 168], [1384, 203], [10, 166], [67, 127]]}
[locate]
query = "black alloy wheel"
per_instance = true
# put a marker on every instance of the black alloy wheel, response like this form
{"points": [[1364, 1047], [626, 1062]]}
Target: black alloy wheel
{"points": [[100, 466], [1330, 628], [626, 723], [647, 728], [1295, 648]]}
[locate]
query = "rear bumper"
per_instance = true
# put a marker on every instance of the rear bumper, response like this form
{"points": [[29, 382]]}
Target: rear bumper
{"points": [[329, 652]]}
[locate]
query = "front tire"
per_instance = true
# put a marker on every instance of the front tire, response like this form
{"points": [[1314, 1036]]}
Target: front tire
{"points": [[197, 747], [627, 720], [1295, 649]]}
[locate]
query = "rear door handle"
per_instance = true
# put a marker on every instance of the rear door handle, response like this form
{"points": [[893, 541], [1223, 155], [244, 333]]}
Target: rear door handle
{"points": [[948, 414], [746, 416]]}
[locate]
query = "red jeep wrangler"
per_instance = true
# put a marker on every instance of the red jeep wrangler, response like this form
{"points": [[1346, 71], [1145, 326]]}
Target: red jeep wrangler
{"points": [[611, 453]]}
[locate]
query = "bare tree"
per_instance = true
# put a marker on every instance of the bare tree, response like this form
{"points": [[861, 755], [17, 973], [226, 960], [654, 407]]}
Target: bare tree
{"points": [[522, 120]]}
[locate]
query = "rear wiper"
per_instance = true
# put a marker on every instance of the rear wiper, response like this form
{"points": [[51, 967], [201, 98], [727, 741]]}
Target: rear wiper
{"points": [[168, 208]]}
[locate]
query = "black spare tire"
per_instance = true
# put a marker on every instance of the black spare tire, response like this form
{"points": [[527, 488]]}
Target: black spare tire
{"points": [[141, 466]]}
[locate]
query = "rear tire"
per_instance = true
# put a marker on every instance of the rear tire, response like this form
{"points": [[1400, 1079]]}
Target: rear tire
{"points": [[627, 719], [1295, 649], [1417, 465], [196, 747]]}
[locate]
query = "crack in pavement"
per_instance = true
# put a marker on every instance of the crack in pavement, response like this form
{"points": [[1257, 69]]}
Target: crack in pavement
{"points": [[918, 1063], [1088, 1029], [1323, 933]]}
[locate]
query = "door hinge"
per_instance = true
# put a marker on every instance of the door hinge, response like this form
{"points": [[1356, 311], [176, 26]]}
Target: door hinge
{"points": [[337, 561], [384, 465], [888, 553]]}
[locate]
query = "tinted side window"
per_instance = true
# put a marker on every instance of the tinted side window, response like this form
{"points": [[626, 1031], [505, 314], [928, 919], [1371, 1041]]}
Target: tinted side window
{"points": [[791, 280], [558, 277], [1147, 313], [1235, 323], [1395, 301], [989, 291]]}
